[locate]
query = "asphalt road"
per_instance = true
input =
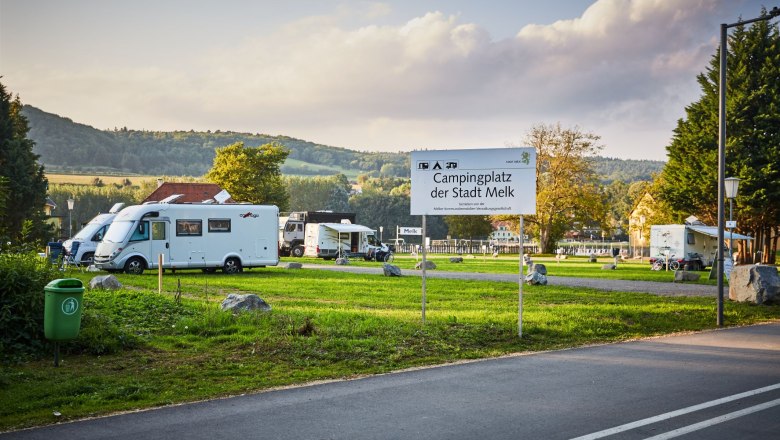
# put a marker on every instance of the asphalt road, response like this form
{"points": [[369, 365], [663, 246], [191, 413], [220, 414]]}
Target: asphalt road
{"points": [[721, 384]]}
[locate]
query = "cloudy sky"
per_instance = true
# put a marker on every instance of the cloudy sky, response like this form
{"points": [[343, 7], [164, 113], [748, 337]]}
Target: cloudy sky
{"points": [[373, 76]]}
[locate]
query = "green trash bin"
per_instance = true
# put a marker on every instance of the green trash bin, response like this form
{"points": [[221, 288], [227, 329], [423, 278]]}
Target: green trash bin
{"points": [[62, 309]]}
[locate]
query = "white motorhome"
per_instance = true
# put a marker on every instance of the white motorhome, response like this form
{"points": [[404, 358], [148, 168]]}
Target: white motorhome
{"points": [[203, 236], [693, 244], [90, 235], [331, 240]]}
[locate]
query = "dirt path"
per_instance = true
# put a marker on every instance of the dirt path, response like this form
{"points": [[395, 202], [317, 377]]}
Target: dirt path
{"points": [[652, 287]]}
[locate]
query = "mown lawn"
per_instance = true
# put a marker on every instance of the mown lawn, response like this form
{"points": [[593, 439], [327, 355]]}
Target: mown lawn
{"points": [[140, 349]]}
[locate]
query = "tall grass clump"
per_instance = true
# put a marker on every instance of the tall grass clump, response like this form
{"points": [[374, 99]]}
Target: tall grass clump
{"points": [[22, 279]]}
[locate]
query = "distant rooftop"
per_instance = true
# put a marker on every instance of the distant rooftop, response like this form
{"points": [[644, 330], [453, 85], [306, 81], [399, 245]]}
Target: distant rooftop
{"points": [[190, 192]]}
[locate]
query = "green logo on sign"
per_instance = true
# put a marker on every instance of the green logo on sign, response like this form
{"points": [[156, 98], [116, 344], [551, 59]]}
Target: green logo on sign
{"points": [[70, 306]]}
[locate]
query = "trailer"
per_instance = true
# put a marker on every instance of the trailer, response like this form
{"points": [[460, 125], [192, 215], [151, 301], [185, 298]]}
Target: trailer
{"points": [[292, 229], [333, 240], [693, 245], [190, 236]]}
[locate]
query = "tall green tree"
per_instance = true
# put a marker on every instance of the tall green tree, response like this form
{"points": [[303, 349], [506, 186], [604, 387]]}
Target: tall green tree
{"points": [[25, 181], [690, 185], [251, 174], [318, 193], [469, 226]]}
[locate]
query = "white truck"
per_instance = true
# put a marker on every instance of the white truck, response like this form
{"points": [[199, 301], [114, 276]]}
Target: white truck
{"points": [[90, 235], [292, 229], [333, 240], [695, 245], [188, 236]]}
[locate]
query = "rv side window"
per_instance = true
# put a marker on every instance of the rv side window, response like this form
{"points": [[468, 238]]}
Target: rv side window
{"points": [[141, 232], [99, 234], [158, 231], [219, 225], [189, 227], [691, 238]]}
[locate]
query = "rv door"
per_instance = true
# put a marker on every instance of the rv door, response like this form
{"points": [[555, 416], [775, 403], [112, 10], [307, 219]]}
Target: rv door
{"points": [[160, 243]]}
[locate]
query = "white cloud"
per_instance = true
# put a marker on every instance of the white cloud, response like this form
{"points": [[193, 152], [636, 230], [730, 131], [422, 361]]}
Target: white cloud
{"points": [[436, 79]]}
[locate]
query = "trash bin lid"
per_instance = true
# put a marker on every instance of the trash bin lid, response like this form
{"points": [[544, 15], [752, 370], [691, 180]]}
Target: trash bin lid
{"points": [[68, 285]]}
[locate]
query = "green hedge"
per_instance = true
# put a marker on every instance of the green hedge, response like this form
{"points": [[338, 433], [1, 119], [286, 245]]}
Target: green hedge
{"points": [[22, 279]]}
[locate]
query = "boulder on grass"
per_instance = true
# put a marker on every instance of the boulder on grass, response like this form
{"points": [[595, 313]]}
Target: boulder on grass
{"points": [[107, 282], [592, 259], [754, 283], [293, 265], [456, 259], [342, 261], [391, 271], [539, 267], [684, 275], [536, 279], [429, 265], [239, 303], [609, 267]]}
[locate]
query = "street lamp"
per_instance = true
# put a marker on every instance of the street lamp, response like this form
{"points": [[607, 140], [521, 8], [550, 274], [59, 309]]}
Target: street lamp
{"points": [[70, 210], [381, 229], [731, 187], [722, 146]]}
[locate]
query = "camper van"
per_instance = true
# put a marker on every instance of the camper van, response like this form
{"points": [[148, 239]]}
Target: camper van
{"points": [[292, 229], [190, 236], [332, 240], [90, 235], [694, 245]]}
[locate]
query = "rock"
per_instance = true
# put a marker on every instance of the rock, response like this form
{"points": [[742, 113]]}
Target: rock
{"points": [[592, 259], [609, 267], [540, 268], [236, 303], [342, 261], [755, 283], [429, 265], [391, 271], [456, 259], [535, 278], [684, 275], [108, 282], [294, 265]]}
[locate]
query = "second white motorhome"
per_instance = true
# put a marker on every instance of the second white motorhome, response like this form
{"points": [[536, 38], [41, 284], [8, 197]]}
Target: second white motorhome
{"points": [[332, 240], [90, 235], [189, 236], [695, 245]]}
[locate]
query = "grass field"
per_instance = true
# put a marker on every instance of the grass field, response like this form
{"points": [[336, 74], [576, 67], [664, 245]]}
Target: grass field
{"points": [[140, 349], [88, 179]]}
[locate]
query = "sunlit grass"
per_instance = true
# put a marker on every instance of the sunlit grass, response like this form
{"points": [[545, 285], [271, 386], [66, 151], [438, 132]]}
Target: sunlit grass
{"points": [[324, 325]]}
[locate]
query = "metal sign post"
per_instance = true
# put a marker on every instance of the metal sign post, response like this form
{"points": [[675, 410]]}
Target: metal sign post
{"points": [[424, 263], [520, 285]]}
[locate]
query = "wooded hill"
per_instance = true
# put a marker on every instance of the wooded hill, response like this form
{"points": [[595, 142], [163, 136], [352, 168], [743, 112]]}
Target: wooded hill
{"points": [[67, 146]]}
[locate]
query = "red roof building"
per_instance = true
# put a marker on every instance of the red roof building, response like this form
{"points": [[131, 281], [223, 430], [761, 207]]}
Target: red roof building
{"points": [[190, 193]]}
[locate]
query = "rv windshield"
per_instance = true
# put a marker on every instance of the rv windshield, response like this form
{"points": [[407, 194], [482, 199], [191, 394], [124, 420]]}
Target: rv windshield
{"points": [[118, 231], [87, 232]]}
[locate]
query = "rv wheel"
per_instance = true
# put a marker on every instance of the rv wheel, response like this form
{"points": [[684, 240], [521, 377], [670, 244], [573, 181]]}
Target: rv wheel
{"points": [[232, 265], [87, 259], [134, 266], [297, 251]]}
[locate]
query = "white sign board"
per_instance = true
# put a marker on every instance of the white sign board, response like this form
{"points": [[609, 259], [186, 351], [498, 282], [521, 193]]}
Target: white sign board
{"points": [[474, 182], [405, 230]]}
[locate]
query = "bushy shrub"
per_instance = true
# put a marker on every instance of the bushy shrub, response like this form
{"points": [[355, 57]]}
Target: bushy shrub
{"points": [[22, 279]]}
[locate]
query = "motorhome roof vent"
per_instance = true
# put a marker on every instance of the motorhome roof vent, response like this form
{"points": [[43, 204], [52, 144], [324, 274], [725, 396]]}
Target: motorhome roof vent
{"points": [[222, 197], [208, 202], [171, 198]]}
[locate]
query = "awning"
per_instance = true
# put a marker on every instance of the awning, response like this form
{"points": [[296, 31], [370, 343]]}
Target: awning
{"points": [[344, 227], [712, 231]]}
